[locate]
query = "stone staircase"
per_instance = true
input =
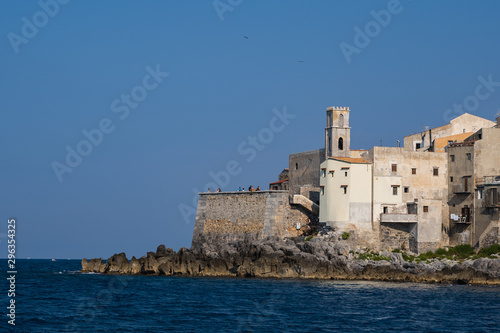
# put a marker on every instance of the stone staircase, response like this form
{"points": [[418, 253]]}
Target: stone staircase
{"points": [[297, 199]]}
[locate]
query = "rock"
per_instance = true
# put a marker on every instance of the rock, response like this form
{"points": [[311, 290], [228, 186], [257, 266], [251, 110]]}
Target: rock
{"points": [[319, 258], [118, 263]]}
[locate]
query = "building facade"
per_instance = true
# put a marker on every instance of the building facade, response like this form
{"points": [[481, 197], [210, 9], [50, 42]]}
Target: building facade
{"points": [[474, 187]]}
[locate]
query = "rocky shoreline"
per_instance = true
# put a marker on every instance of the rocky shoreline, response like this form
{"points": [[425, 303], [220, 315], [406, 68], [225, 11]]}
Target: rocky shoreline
{"points": [[315, 259]]}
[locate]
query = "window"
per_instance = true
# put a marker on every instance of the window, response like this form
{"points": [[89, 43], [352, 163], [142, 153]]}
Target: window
{"points": [[479, 136], [323, 172], [479, 194], [329, 142], [466, 213], [394, 190], [322, 190], [452, 158], [435, 171], [344, 187], [332, 172], [341, 120], [426, 209], [341, 144], [394, 167], [407, 189], [414, 171], [469, 156], [451, 179], [386, 210], [296, 166], [346, 173], [418, 145]]}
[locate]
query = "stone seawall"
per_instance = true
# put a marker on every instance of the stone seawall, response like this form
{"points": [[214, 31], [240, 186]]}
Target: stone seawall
{"points": [[232, 216]]}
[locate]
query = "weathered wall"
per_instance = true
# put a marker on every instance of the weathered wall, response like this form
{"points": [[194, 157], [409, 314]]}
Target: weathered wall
{"points": [[421, 185], [350, 208], [304, 173], [398, 236], [460, 195], [232, 216]]}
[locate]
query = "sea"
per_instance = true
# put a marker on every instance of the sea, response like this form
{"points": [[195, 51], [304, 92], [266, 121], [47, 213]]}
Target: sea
{"points": [[53, 296]]}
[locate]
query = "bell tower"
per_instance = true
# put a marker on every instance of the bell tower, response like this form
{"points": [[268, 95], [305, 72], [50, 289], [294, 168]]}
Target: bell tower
{"points": [[337, 132]]}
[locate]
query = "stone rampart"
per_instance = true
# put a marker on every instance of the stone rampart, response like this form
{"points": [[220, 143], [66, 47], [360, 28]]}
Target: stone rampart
{"points": [[232, 216]]}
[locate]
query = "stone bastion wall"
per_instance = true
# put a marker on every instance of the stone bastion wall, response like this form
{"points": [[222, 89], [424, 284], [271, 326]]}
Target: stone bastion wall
{"points": [[232, 216]]}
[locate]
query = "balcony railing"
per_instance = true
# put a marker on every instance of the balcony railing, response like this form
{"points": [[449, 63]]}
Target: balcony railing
{"points": [[488, 180]]}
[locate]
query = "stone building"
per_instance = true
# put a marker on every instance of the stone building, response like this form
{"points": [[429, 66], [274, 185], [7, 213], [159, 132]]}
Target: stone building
{"points": [[409, 195], [345, 199], [398, 195], [426, 140], [474, 187], [282, 183], [392, 197], [304, 175]]}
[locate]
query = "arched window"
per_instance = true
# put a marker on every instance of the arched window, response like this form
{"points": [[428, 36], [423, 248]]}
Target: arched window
{"points": [[341, 120], [341, 144]]}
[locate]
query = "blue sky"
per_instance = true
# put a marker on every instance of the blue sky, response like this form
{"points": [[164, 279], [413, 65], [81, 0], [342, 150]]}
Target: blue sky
{"points": [[127, 193]]}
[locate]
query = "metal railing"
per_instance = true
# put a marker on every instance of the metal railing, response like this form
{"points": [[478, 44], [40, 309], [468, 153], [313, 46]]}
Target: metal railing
{"points": [[488, 180]]}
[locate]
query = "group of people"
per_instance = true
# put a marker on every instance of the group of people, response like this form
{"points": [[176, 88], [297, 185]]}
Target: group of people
{"points": [[240, 189], [250, 188]]}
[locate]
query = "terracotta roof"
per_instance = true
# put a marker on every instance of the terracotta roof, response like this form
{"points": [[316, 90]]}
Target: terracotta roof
{"points": [[279, 182], [351, 160]]}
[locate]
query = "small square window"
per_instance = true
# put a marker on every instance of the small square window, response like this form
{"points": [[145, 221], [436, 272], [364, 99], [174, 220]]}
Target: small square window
{"points": [[344, 187], [296, 166], [386, 210], [322, 190], [394, 168], [331, 172], [394, 190], [469, 156], [452, 157], [436, 171], [480, 194], [426, 209], [407, 189], [323, 172], [451, 179], [414, 171], [346, 173]]}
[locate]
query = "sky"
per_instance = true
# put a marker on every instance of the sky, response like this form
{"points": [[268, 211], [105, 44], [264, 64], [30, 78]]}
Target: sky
{"points": [[115, 114]]}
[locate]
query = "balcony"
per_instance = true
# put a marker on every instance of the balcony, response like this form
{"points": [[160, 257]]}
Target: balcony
{"points": [[398, 218], [488, 180], [462, 220], [461, 189]]}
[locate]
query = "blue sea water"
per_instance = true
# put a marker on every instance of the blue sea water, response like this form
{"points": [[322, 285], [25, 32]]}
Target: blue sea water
{"points": [[55, 297]]}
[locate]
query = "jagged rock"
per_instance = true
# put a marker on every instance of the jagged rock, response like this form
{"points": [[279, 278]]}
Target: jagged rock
{"points": [[118, 263], [317, 259]]}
